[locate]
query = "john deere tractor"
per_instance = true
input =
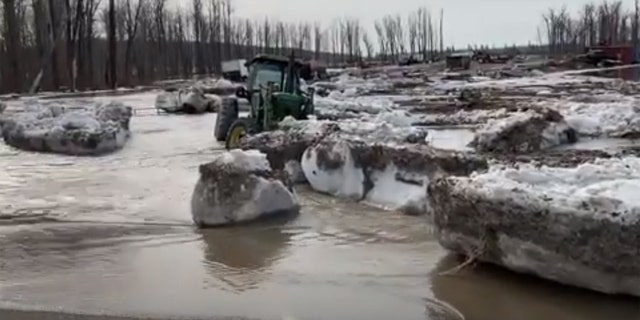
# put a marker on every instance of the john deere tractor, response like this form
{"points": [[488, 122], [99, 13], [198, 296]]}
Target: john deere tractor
{"points": [[273, 90]]}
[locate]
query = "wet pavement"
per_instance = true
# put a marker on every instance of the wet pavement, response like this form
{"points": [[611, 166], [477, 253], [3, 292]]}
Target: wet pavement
{"points": [[113, 236]]}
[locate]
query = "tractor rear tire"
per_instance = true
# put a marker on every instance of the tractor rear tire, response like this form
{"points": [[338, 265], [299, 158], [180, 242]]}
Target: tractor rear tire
{"points": [[238, 131], [227, 115]]}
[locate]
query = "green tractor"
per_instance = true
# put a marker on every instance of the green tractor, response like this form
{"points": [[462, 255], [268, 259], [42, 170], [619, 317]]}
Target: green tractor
{"points": [[273, 91]]}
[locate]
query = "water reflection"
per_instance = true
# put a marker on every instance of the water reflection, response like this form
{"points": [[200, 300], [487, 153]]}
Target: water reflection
{"points": [[27, 252], [487, 293], [241, 257]]}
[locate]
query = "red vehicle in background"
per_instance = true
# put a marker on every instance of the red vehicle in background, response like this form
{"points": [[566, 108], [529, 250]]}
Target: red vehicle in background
{"points": [[608, 55], [622, 53], [613, 55]]}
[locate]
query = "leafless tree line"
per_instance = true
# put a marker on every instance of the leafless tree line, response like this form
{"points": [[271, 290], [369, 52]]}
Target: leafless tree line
{"points": [[415, 36], [90, 44], [606, 23]]}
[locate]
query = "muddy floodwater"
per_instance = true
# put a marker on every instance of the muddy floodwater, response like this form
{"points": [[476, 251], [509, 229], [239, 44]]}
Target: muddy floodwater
{"points": [[112, 236]]}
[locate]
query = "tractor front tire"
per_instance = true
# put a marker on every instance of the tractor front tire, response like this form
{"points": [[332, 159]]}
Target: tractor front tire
{"points": [[238, 131], [226, 116]]}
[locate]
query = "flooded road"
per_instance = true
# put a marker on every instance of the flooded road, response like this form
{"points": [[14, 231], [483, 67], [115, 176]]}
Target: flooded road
{"points": [[113, 236]]}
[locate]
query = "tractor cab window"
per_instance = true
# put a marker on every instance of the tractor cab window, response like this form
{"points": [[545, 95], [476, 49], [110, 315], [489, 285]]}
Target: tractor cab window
{"points": [[296, 84], [266, 73]]}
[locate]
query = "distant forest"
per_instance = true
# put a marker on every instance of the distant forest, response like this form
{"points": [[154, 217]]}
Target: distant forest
{"points": [[605, 24], [92, 44]]}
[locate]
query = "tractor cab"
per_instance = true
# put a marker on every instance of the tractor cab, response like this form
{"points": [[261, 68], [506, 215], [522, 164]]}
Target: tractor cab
{"points": [[274, 92], [281, 76], [272, 69]]}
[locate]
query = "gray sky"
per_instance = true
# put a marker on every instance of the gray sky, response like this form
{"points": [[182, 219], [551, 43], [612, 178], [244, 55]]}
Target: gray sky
{"points": [[465, 21]]}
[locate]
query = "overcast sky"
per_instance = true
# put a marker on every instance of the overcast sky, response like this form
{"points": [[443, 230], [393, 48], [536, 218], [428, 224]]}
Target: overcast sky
{"points": [[465, 21]]}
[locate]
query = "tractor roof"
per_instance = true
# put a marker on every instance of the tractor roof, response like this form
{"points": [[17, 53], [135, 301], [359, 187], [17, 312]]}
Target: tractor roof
{"points": [[273, 59]]}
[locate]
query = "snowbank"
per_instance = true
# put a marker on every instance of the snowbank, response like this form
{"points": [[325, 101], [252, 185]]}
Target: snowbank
{"points": [[394, 176], [524, 132], [95, 130], [239, 186], [578, 226]]}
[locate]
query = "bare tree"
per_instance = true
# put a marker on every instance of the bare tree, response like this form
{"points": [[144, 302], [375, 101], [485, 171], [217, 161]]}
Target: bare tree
{"points": [[131, 15], [12, 46], [112, 45], [602, 24], [368, 45], [317, 40], [413, 25], [382, 40], [441, 32], [635, 28]]}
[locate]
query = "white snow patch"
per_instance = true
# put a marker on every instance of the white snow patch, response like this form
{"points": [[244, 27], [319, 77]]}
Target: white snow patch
{"points": [[249, 160], [604, 186]]}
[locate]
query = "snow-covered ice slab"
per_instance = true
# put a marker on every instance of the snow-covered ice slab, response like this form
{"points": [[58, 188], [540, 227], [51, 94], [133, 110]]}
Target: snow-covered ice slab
{"points": [[346, 82], [394, 176], [94, 130], [346, 106], [523, 132], [611, 114], [530, 83], [192, 100], [463, 117], [218, 86], [284, 147], [578, 226], [239, 186]]}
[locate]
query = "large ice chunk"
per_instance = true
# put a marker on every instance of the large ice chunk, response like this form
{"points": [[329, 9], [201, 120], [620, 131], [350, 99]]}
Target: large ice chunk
{"points": [[523, 132], [578, 226], [394, 176], [94, 130], [239, 186]]}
